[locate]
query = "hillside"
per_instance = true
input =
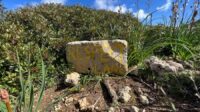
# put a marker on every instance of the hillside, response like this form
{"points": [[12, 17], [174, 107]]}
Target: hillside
{"points": [[51, 26], [73, 22]]}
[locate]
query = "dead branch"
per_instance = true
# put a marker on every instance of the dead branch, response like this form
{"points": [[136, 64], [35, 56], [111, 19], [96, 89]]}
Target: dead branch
{"points": [[111, 91]]}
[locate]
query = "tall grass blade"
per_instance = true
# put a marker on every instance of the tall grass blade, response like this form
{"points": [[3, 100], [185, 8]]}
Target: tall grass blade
{"points": [[31, 100], [22, 93], [43, 82]]}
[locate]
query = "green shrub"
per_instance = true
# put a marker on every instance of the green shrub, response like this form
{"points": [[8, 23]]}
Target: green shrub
{"points": [[51, 26]]}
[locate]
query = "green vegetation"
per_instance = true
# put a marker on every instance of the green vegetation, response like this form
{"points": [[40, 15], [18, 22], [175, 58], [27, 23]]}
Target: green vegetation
{"points": [[26, 100], [47, 27], [3, 107]]}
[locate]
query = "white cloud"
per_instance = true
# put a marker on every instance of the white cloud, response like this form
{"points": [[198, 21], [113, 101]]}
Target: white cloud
{"points": [[140, 14], [34, 3], [29, 4], [20, 6], [122, 9], [54, 1], [104, 4], [166, 6], [111, 6]]}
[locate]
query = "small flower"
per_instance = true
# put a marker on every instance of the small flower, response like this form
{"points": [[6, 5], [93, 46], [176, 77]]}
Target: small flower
{"points": [[4, 95]]}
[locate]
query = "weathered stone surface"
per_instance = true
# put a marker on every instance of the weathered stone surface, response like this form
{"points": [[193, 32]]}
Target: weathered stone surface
{"points": [[68, 100], [58, 108], [124, 95], [144, 99], [111, 109], [97, 57], [134, 109], [83, 103], [72, 79], [162, 66]]}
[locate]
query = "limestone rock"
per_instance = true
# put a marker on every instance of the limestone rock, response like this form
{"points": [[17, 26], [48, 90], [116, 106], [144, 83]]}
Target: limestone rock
{"points": [[124, 95], [68, 100], [72, 79], [58, 108], [144, 100], [83, 103], [162, 66], [97, 57], [178, 66], [139, 91], [134, 109], [111, 109]]}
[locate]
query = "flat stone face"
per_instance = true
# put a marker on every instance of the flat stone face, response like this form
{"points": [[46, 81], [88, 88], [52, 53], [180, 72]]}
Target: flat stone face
{"points": [[98, 57]]}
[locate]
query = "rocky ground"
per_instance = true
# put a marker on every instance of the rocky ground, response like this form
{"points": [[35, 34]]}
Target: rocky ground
{"points": [[119, 94], [95, 97]]}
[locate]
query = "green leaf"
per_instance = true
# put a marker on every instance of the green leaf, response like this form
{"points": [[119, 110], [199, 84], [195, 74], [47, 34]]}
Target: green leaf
{"points": [[3, 107]]}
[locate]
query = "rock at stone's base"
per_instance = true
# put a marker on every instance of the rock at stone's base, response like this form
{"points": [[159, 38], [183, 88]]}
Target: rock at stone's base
{"points": [[134, 109], [83, 103], [124, 95], [144, 99], [72, 79]]}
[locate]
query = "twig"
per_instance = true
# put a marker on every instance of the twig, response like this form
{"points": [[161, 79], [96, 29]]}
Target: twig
{"points": [[168, 99], [146, 84], [132, 69], [195, 87], [159, 109], [141, 81], [93, 106], [111, 91]]}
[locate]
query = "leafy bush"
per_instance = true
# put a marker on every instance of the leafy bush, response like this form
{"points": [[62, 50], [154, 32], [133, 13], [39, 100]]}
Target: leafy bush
{"points": [[51, 26]]}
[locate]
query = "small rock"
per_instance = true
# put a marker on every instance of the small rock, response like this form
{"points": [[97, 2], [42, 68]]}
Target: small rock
{"points": [[68, 100], [111, 109], [143, 110], [140, 91], [83, 103], [162, 66], [134, 109], [96, 108], [72, 79], [178, 66], [124, 95], [144, 100], [58, 108]]}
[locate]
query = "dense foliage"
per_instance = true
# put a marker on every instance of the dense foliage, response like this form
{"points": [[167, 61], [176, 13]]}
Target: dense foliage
{"points": [[50, 27]]}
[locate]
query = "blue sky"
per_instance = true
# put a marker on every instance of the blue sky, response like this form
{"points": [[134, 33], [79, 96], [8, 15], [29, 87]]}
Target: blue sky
{"points": [[141, 10]]}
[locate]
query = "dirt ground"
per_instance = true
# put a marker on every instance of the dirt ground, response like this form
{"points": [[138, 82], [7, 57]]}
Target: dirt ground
{"points": [[55, 97]]}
